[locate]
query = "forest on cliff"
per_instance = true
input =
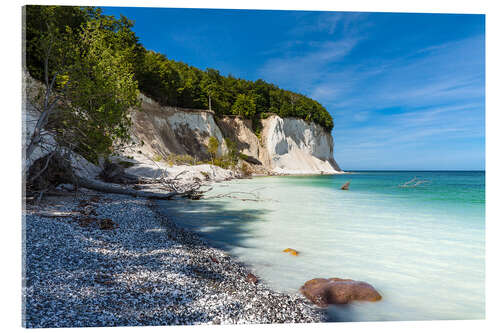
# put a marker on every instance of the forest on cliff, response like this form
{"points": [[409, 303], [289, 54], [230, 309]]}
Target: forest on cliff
{"points": [[167, 81]]}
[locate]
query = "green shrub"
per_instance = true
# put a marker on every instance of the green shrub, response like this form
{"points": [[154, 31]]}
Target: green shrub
{"points": [[245, 170], [232, 150], [224, 162], [174, 159], [213, 146]]}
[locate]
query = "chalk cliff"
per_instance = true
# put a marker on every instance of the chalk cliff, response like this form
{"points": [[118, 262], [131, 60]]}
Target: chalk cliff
{"points": [[168, 130], [286, 146], [296, 147]]}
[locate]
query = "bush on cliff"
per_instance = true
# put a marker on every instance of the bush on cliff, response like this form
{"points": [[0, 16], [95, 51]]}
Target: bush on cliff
{"points": [[88, 78]]}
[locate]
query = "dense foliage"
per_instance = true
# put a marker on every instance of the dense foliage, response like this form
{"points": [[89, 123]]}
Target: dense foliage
{"points": [[177, 84], [172, 82], [88, 73]]}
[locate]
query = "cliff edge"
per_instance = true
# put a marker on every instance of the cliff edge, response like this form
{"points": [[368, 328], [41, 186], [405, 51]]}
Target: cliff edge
{"points": [[285, 146]]}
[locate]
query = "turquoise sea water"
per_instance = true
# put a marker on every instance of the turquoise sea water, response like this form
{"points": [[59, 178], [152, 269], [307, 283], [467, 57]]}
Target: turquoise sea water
{"points": [[422, 247]]}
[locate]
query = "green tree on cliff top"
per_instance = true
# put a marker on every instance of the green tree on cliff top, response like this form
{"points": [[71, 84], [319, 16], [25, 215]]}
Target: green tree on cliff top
{"points": [[88, 81], [244, 106]]}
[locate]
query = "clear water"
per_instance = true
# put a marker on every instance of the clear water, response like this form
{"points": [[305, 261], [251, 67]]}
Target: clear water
{"points": [[421, 247]]}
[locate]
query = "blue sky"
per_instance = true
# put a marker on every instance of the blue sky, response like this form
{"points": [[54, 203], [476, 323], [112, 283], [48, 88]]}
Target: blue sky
{"points": [[406, 91]]}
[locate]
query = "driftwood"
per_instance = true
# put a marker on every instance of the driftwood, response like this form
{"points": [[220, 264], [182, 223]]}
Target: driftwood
{"points": [[50, 193], [414, 182], [237, 196], [115, 173], [173, 186], [54, 169], [346, 186], [242, 196], [57, 214], [112, 188]]}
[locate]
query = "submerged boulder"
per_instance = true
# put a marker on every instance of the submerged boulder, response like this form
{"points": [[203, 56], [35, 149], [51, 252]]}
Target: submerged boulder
{"points": [[338, 291]]}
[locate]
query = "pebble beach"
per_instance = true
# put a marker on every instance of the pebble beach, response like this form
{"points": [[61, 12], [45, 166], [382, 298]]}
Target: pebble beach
{"points": [[94, 259]]}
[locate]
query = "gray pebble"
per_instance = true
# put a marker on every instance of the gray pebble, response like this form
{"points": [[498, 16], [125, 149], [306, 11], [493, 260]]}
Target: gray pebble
{"points": [[145, 271]]}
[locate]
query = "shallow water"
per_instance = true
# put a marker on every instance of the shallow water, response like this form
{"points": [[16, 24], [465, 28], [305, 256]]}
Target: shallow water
{"points": [[421, 247]]}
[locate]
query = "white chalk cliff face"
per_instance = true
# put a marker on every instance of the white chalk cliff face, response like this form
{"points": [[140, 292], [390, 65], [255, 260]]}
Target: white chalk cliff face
{"points": [[294, 146], [239, 130], [286, 146], [171, 130]]}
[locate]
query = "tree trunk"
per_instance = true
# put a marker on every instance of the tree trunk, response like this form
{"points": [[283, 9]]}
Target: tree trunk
{"points": [[111, 188]]}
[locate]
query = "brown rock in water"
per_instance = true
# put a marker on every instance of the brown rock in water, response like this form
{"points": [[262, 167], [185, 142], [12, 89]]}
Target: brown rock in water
{"points": [[251, 278], [346, 186], [291, 251], [338, 291]]}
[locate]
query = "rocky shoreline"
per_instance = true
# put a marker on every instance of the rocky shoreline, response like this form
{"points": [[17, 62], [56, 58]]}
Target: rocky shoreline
{"points": [[94, 259]]}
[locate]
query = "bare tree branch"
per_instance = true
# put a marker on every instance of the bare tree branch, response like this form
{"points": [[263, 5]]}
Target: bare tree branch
{"points": [[49, 157]]}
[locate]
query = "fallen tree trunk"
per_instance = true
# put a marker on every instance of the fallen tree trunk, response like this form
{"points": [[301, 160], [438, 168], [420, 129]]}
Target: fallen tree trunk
{"points": [[115, 173], [51, 170], [116, 189]]}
